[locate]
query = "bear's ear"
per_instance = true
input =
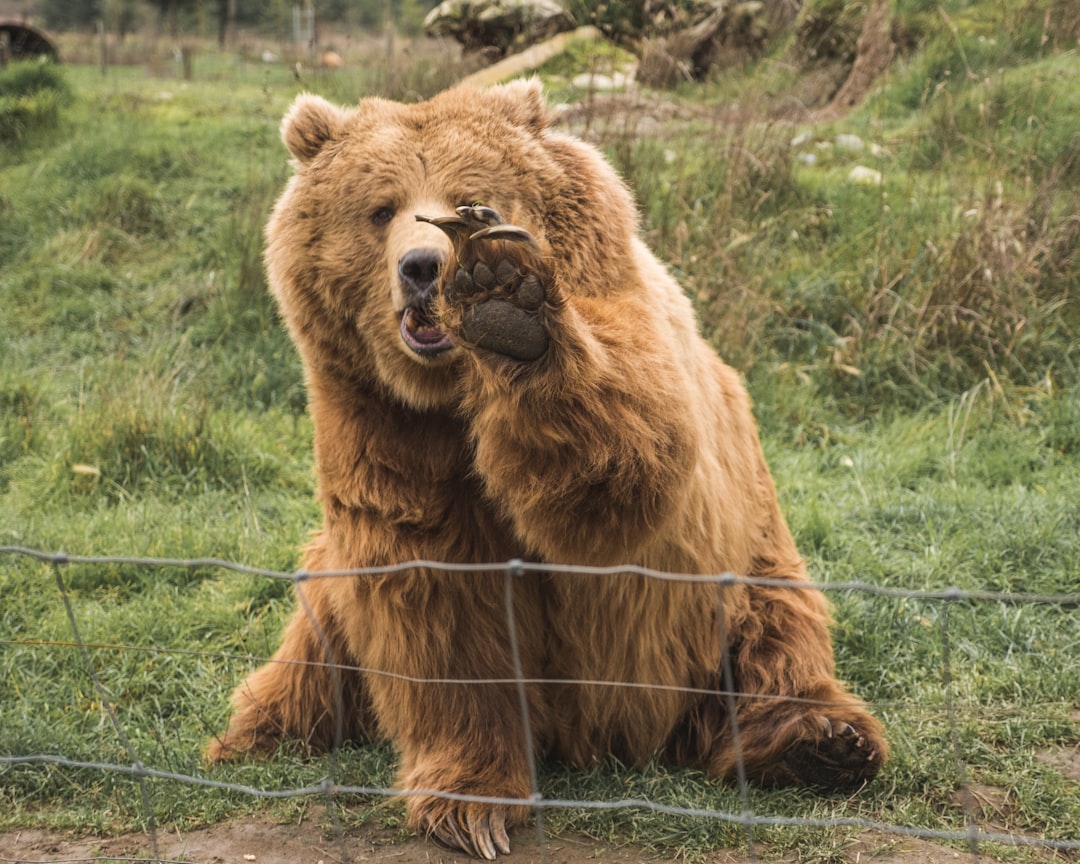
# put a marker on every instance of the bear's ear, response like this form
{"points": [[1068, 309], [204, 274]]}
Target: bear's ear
{"points": [[523, 100], [309, 124]]}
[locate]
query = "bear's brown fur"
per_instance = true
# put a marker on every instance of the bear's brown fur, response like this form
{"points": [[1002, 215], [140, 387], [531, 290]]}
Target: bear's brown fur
{"points": [[490, 398]]}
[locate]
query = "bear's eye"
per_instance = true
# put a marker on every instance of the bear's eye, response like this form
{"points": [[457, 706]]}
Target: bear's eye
{"points": [[382, 215]]}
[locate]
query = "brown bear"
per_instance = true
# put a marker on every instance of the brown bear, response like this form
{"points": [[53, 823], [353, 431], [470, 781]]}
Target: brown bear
{"points": [[499, 369]]}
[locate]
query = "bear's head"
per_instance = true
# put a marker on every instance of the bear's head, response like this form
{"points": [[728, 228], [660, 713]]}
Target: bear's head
{"points": [[356, 274]]}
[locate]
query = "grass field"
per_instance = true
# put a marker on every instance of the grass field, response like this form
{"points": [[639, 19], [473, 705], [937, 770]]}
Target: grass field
{"points": [[912, 349]]}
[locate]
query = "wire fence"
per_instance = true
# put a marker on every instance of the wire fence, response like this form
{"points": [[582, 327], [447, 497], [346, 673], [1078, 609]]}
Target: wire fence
{"points": [[975, 837]]}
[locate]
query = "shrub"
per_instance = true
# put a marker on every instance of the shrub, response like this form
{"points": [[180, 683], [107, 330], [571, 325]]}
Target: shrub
{"points": [[31, 96]]}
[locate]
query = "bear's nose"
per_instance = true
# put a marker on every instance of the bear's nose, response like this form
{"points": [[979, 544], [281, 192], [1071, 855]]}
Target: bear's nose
{"points": [[419, 273]]}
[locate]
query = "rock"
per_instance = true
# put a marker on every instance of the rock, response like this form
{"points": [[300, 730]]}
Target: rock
{"points": [[596, 81], [860, 175], [852, 143], [499, 27]]}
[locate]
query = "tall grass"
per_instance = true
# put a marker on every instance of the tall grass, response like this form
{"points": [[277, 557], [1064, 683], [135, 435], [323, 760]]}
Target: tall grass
{"points": [[959, 267]]}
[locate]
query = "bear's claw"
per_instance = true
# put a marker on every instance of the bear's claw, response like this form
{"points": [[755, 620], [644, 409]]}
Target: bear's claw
{"points": [[505, 232], [483, 835], [456, 228], [477, 223]]}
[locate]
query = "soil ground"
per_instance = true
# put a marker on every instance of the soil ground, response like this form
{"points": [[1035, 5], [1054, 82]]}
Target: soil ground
{"points": [[260, 841]]}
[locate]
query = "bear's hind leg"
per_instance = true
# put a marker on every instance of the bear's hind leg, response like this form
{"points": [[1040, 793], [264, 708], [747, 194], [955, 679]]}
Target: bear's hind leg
{"points": [[796, 724]]}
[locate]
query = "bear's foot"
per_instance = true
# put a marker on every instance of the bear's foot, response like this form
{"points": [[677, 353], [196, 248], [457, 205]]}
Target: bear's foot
{"points": [[496, 291], [836, 753], [475, 828], [838, 759]]}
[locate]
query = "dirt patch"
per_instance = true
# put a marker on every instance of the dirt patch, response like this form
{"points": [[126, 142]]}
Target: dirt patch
{"points": [[1065, 759], [988, 806], [882, 849], [262, 841], [623, 114]]}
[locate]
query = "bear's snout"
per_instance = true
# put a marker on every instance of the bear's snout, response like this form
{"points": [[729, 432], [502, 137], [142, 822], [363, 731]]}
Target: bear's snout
{"points": [[418, 275], [418, 270]]}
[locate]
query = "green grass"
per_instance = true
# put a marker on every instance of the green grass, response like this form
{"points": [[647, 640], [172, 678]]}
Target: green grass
{"points": [[922, 419]]}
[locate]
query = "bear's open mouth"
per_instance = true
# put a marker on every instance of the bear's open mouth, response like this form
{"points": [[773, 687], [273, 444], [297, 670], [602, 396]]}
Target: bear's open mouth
{"points": [[421, 334]]}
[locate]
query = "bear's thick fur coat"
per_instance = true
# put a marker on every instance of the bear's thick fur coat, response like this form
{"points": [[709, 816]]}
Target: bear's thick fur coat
{"points": [[480, 397]]}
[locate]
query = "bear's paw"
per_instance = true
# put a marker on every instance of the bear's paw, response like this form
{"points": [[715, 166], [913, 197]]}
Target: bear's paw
{"points": [[493, 288]]}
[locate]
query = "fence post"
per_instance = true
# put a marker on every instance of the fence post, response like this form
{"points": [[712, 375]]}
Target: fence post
{"points": [[388, 15]]}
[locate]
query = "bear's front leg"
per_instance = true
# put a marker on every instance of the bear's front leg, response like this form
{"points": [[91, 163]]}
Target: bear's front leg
{"points": [[449, 702], [568, 395], [477, 828], [495, 296]]}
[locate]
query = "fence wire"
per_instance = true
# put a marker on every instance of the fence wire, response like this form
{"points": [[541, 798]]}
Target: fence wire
{"points": [[974, 837]]}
